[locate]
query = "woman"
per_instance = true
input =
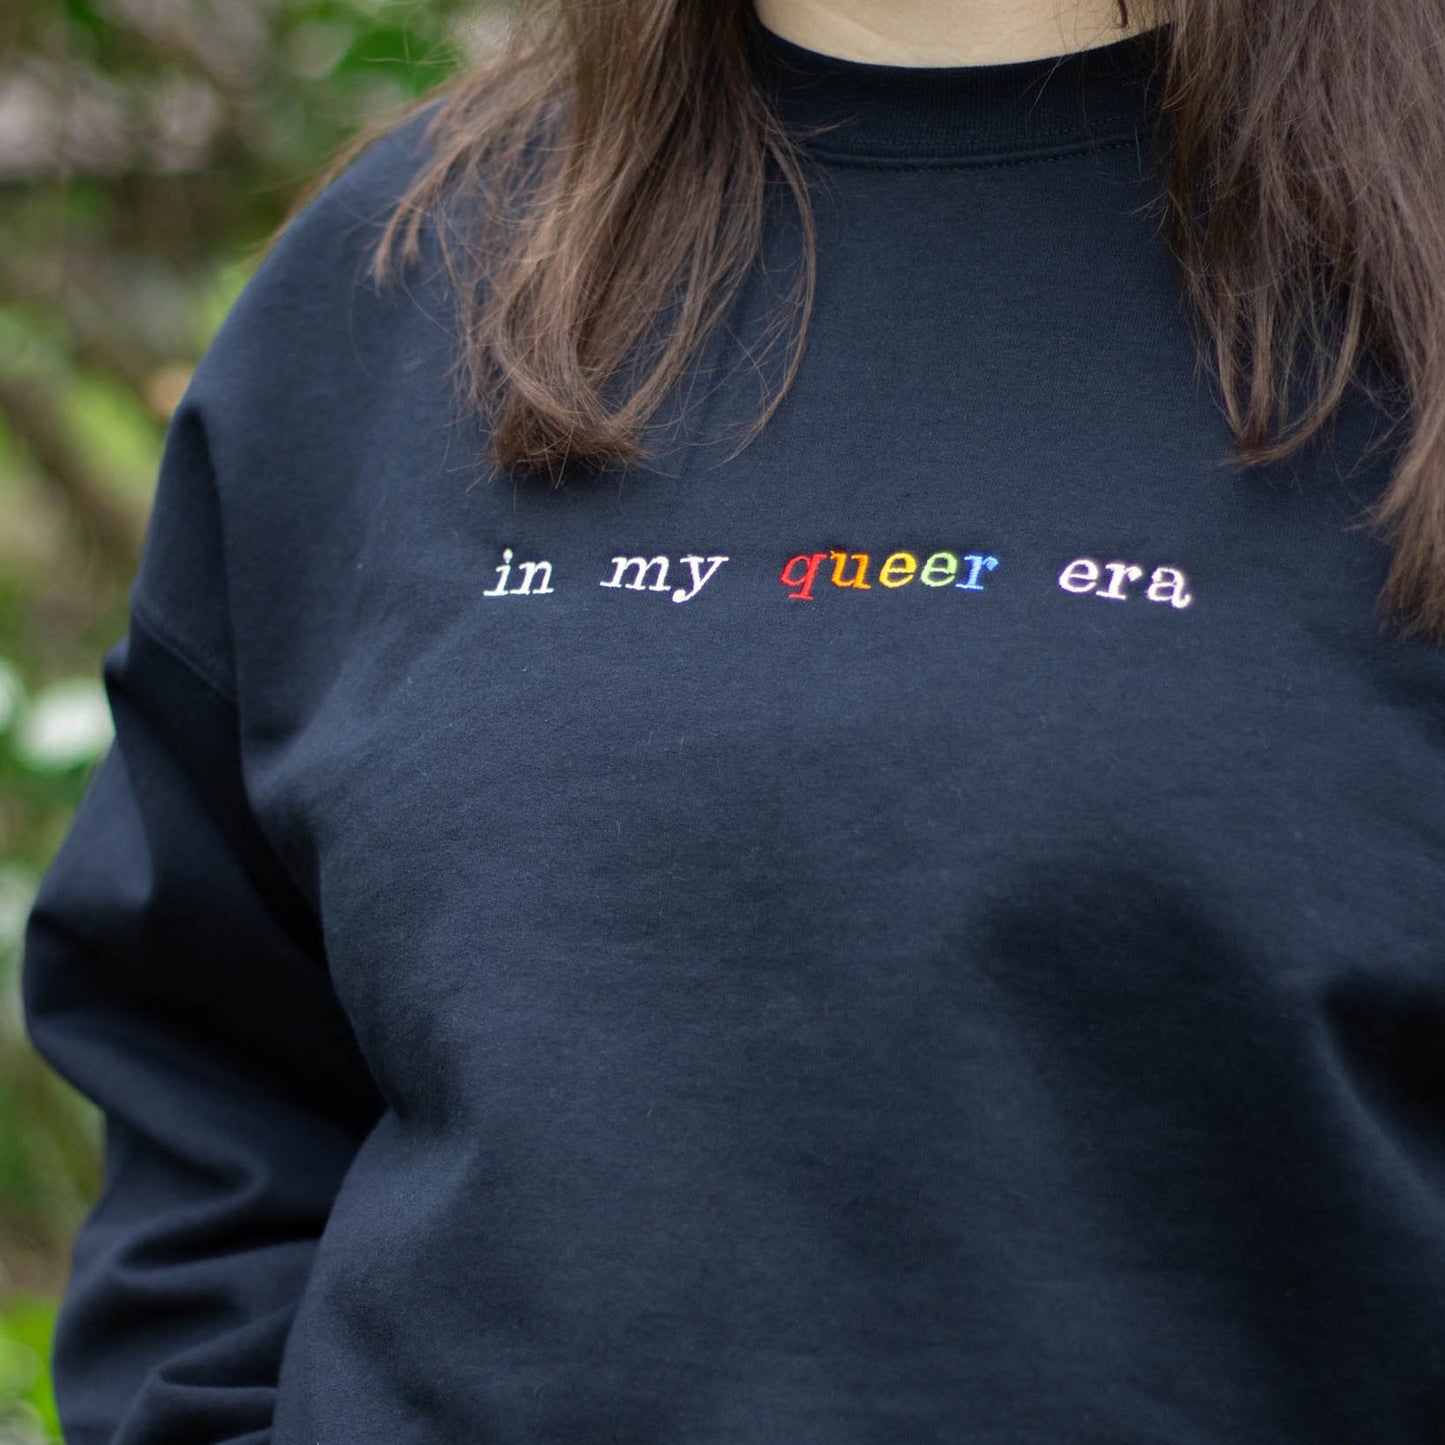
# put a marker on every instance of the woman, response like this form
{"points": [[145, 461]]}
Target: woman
{"points": [[757, 833]]}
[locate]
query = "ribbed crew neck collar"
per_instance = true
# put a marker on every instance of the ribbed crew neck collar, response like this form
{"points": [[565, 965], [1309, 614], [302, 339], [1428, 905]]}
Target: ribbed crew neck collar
{"points": [[968, 112]]}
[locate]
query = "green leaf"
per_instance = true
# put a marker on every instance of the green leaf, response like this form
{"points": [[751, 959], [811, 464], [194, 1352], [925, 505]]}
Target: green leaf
{"points": [[27, 1329]]}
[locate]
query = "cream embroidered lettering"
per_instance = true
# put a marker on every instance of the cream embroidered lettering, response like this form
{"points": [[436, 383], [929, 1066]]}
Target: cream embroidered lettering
{"points": [[1169, 584], [700, 570], [1080, 576], [1119, 574], [700, 579], [1166, 584], [642, 566], [530, 572]]}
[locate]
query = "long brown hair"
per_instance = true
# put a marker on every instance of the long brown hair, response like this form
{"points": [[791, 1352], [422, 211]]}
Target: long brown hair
{"points": [[627, 156]]}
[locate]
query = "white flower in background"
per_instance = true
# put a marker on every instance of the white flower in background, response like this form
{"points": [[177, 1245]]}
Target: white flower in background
{"points": [[65, 725]]}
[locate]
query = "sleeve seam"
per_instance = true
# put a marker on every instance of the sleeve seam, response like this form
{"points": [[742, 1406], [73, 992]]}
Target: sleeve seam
{"points": [[159, 633]]}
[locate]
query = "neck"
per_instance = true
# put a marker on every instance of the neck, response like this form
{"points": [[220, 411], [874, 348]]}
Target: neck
{"points": [[951, 32]]}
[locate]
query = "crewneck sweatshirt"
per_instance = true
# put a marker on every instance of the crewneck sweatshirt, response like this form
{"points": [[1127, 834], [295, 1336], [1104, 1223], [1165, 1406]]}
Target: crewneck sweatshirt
{"points": [[924, 927]]}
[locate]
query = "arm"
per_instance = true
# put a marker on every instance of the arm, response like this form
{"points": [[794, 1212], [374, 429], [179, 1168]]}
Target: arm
{"points": [[175, 975]]}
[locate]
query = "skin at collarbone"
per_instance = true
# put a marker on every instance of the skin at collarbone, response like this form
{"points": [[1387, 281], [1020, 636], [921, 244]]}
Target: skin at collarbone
{"points": [[952, 32]]}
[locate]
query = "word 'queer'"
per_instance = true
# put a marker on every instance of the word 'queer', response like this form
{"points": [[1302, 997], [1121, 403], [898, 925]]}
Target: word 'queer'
{"points": [[1166, 584], [800, 573]]}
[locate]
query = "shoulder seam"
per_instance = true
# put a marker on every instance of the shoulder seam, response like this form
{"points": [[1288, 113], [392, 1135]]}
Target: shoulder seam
{"points": [[141, 616]]}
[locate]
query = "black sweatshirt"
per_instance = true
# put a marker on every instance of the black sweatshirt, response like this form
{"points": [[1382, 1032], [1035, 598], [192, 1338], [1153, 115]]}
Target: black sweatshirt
{"points": [[927, 928]]}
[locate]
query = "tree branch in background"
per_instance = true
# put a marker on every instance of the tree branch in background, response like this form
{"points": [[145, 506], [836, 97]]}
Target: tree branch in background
{"points": [[40, 427]]}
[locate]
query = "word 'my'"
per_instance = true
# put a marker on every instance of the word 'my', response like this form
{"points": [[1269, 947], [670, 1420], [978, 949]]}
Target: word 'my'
{"points": [[1166, 584], [850, 570], [641, 566]]}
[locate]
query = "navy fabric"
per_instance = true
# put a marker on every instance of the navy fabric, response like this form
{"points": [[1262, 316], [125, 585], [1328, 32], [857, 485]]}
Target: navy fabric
{"points": [[927, 927]]}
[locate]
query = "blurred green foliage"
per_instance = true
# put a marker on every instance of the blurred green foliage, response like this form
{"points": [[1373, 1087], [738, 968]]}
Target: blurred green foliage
{"points": [[27, 1406], [148, 149]]}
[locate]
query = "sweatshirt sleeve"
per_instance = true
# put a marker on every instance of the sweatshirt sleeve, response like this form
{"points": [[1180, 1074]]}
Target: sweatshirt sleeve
{"points": [[174, 973]]}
